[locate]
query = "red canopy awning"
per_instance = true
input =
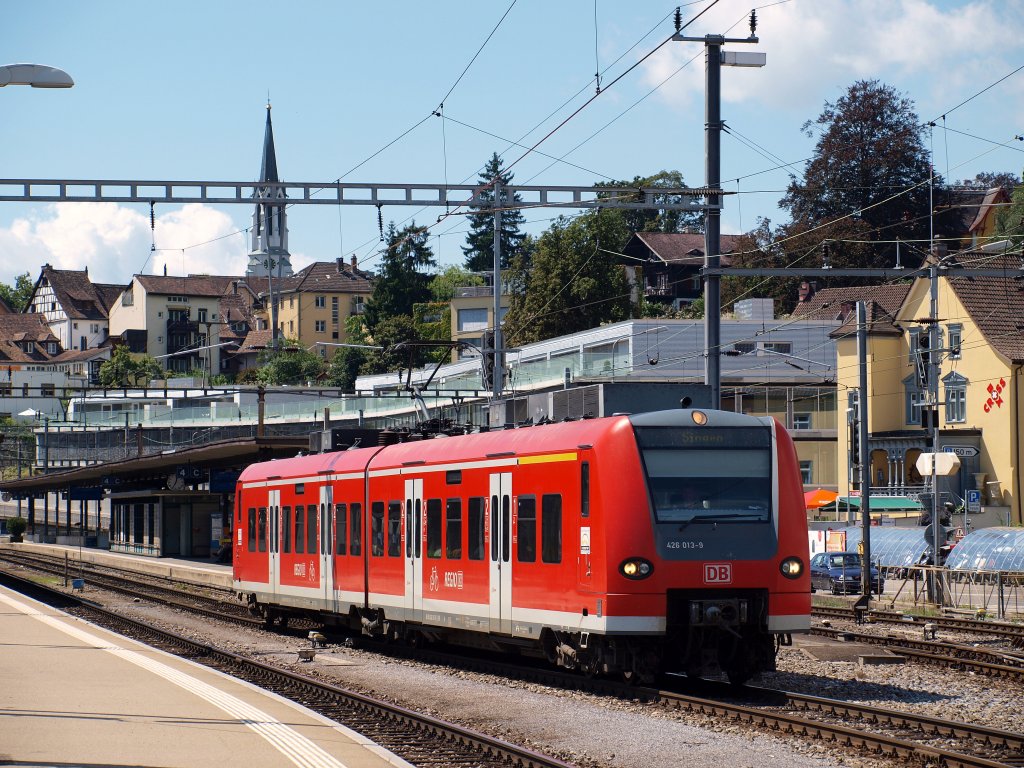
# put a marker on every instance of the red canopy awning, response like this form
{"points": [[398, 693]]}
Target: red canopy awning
{"points": [[819, 498]]}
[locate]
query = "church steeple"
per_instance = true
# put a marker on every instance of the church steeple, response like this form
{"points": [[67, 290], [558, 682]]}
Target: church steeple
{"points": [[269, 233]]}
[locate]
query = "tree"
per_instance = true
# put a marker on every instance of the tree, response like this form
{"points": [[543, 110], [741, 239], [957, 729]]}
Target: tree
{"points": [[1010, 220], [290, 364], [574, 282], [870, 163], [389, 333], [124, 369], [443, 286], [18, 295], [655, 219], [347, 361], [403, 279], [989, 179], [479, 248]]}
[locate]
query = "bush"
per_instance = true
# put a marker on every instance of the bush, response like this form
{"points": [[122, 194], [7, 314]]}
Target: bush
{"points": [[16, 526]]}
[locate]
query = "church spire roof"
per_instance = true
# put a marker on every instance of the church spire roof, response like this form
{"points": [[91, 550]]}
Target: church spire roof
{"points": [[268, 170]]}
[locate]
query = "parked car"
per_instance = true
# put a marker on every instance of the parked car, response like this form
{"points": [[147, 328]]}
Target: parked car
{"points": [[840, 573]]}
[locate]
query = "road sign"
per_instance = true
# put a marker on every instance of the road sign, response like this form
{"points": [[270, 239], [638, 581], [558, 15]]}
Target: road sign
{"points": [[964, 451], [974, 501]]}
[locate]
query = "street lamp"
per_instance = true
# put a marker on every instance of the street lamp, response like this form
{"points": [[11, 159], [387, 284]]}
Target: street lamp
{"points": [[36, 75]]}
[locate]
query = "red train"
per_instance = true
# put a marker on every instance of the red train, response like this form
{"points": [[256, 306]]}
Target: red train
{"points": [[627, 545]]}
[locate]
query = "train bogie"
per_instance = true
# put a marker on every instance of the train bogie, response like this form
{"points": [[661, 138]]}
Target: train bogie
{"points": [[569, 540]]}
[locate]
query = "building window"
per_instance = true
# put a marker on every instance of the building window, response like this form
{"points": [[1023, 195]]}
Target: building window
{"points": [[201, 314], [744, 347], [127, 298], [334, 309], [801, 421], [321, 326], [358, 305], [320, 302], [784, 347], [472, 319], [956, 398], [807, 472], [291, 326], [46, 390], [914, 398], [52, 347], [956, 332]]}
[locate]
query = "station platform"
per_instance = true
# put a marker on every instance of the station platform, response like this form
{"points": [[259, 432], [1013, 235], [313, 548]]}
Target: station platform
{"points": [[76, 694], [200, 571]]}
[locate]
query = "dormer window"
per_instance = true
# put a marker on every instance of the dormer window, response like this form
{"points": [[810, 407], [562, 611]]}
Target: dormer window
{"points": [[52, 347]]}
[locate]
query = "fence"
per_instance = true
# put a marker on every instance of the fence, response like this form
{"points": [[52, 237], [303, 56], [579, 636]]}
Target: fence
{"points": [[991, 593]]}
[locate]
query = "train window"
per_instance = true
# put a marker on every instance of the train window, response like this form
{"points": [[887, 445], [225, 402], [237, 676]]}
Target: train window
{"points": [[300, 488], [419, 527], [526, 529], [262, 532], [551, 528], [408, 528], [433, 527], [341, 528], [356, 529], [311, 529], [273, 528], [394, 529], [252, 529], [300, 529], [453, 529], [585, 489], [453, 477], [476, 528], [286, 529], [377, 529], [506, 528], [238, 505], [494, 528]]}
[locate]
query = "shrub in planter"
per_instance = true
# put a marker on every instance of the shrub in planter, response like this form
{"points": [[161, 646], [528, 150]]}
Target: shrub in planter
{"points": [[16, 526]]}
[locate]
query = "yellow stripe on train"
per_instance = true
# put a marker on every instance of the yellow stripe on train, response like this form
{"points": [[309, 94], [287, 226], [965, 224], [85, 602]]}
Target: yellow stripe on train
{"points": [[549, 458]]}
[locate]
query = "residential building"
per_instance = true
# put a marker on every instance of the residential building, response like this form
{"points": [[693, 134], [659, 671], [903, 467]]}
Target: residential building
{"points": [[75, 308], [315, 302], [664, 267], [981, 353], [472, 313]]}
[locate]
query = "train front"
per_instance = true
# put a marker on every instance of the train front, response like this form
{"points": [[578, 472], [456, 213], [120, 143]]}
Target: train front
{"points": [[730, 538]]}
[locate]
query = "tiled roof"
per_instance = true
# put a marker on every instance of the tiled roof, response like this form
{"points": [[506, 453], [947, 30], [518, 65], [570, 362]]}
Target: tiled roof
{"points": [[79, 297], [5, 309], [883, 302], [993, 197], [192, 285], [256, 341], [995, 304], [684, 247], [16, 329], [327, 276]]}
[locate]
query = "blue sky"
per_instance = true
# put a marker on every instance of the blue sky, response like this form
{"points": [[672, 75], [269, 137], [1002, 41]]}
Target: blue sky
{"points": [[178, 91]]}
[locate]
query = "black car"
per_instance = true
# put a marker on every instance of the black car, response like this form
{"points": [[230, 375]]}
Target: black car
{"points": [[840, 573]]}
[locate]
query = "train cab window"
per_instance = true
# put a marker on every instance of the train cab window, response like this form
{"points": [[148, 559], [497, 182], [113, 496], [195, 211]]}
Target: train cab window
{"points": [[377, 529], [262, 532], [394, 529], [585, 489], [551, 528], [453, 529], [286, 529], [300, 529], [341, 528], [355, 529], [311, 529], [526, 529], [300, 488], [252, 529], [453, 476], [476, 528], [433, 528]]}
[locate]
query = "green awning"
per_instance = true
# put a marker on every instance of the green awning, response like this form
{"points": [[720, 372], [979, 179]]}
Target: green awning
{"points": [[877, 504]]}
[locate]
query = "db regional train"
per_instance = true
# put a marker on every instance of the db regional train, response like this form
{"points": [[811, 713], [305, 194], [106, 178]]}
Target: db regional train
{"points": [[621, 546]]}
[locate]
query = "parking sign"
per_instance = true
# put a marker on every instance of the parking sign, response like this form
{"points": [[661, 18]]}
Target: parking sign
{"points": [[974, 501]]}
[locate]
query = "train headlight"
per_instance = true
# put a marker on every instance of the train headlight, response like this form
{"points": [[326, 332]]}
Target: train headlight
{"points": [[699, 417], [792, 567], [636, 568]]}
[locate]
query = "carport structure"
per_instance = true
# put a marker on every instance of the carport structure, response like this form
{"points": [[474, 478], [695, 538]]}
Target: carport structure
{"points": [[171, 503]]}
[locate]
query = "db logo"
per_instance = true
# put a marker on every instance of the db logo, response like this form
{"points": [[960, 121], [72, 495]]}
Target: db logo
{"points": [[718, 573]]}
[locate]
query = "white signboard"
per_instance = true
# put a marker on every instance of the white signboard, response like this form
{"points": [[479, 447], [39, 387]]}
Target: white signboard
{"points": [[964, 451]]}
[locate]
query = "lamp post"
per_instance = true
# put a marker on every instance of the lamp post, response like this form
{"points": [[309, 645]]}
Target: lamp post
{"points": [[35, 75]]}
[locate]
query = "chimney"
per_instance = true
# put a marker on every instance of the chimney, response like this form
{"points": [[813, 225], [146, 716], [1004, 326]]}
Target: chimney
{"points": [[341, 265], [165, 269], [846, 308], [807, 291], [353, 262], [939, 250], [234, 287]]}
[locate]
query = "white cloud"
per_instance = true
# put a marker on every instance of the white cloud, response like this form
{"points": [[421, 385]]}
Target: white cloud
{"points": [[816, 48], [114, 241]]}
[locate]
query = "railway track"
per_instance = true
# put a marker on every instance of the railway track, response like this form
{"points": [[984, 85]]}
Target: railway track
{"points": [[1013, 633], [420, 739], [884, 733]]}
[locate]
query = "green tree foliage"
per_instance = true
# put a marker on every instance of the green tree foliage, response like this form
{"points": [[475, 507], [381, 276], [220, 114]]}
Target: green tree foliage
{"points": [[388, 334], [443, 285], [18, 295], [433, 321], [404, 277], [655, 219], [292, 364], [989, 179], [479, 247], [575, 282], [869, 163], [124, 369], [1010, 220], [347, 362]]}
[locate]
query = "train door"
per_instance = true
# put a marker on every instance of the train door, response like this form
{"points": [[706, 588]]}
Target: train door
{"points": [[500, 525], [326, 544], [583, 568], [274, 545], [413, 549]]}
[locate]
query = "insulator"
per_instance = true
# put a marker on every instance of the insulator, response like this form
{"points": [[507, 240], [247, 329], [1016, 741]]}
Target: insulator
{"points": [[753, 21], [679, 18]]}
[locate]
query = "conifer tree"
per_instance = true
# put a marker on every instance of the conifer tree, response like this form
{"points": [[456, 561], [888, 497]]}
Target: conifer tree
{"points": [[479, 248]]}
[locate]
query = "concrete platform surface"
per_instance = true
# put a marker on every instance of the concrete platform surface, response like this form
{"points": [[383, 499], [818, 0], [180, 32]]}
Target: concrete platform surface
{"points": [[72, 693]]}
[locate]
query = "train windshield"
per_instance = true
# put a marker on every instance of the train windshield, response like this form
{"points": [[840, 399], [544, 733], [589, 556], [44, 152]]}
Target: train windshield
{"points": [[708, 475]]}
